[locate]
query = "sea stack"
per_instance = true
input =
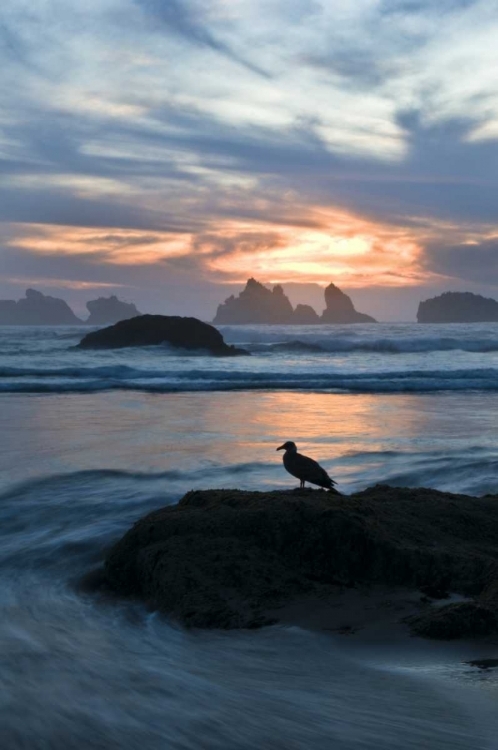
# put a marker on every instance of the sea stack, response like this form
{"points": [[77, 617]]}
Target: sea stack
{"points": [[256, 304], [37, 309], [305, 315], [105, 311], [458, 307], [340, 308]]}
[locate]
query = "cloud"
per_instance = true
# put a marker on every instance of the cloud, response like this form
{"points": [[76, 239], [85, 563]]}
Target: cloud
{"points": [[475, 262], [177, 16], [245, 127]]}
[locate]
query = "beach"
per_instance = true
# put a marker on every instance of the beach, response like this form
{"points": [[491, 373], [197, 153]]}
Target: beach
{"points": [[80, 466]]}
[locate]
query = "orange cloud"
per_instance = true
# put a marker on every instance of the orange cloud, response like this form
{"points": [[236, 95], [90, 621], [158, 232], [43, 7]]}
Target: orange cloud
{"points": [[112, 246], [339, 246], [323, 244]]}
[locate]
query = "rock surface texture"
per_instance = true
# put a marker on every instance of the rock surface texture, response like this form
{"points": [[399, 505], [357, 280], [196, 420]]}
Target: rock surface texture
{"points": [[340, 308], [220, 558], [37, 309], [105, 311], [152, 330], [458, 307]]}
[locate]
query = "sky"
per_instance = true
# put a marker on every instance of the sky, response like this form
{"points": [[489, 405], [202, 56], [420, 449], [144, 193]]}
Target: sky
{"points": [[167, 150]]}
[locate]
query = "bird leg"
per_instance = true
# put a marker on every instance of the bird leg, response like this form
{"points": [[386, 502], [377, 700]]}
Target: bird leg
{"points": [[301, 486]]}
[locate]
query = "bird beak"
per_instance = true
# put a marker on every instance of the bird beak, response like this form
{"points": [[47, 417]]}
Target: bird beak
{"points": [[281, 448]]}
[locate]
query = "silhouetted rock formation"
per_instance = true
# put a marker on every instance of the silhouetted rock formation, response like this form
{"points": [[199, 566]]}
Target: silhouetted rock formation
{"points": [[220, 558], [151, 330], [107, 310], [305, 315], [458, 307], [255, 304], [37, 309], [340, 309], [258, 304]]}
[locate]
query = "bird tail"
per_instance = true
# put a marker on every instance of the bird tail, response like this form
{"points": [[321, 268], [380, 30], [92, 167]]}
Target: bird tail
{"points": [[333, 491], [331, 486]]}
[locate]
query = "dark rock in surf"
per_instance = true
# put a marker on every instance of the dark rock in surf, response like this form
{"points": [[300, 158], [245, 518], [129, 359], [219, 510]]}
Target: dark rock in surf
{"points": [[340, 309], [460, 620], [458, 307], [152, 330], [37, 309], [221, 558], [483, 663], [105, 311]]}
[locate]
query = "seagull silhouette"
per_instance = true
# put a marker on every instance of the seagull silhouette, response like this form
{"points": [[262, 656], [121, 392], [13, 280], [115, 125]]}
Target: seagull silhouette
{"points": [[305, 469]]}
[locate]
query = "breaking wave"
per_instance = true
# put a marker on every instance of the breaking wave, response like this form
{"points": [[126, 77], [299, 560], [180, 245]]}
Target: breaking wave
{"points": [[350, 344], [95, 379]]}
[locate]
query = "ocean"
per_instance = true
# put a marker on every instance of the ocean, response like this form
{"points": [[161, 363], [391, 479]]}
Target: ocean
{"points": [[92, 440]]}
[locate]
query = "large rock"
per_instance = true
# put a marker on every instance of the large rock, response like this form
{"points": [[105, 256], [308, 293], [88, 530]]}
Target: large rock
{"points": [[305, 315], [458, 307], [255, 304], [340, 308], [220, 558], [37, 309], [152, 330], [105, 311], [258, 304], [460, 620]]}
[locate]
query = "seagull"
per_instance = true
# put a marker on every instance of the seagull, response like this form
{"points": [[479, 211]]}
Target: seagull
{"points": [[305, 469]]}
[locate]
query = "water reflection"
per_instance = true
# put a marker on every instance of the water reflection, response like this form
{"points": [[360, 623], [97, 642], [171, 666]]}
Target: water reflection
{"points": [[231, 438]]}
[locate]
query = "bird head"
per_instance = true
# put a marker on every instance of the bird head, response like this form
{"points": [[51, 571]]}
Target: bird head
{"points": [[288, 446]]}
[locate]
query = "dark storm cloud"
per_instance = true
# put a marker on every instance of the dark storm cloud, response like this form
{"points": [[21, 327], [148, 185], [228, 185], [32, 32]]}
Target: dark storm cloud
{"points": [[58, 206], [465, 262], [444, 175], [358, 66], [11, 44], [410, 7], [178, 17]]}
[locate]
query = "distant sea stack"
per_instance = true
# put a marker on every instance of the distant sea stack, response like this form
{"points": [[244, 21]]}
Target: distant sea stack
{"points": [[340, 308], [305, 315], [105, 311], [258, 304], [37, 309], [255, 304], [153, 330], [458, 307]]}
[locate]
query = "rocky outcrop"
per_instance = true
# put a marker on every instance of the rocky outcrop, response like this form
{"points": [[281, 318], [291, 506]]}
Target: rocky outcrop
{"points": [[255, 304], [221, 558], [152, 330], [305, 315], [458, 307], [37, 309], [105, 311], [340, 308], [258, 304], [460, 620]]}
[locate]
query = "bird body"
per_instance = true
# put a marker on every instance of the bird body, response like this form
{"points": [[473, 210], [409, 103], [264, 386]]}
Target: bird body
{"points": [[304, 468]]}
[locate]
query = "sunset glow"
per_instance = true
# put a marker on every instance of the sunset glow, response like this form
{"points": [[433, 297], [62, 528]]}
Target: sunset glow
{"points": [[203, 143]]}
